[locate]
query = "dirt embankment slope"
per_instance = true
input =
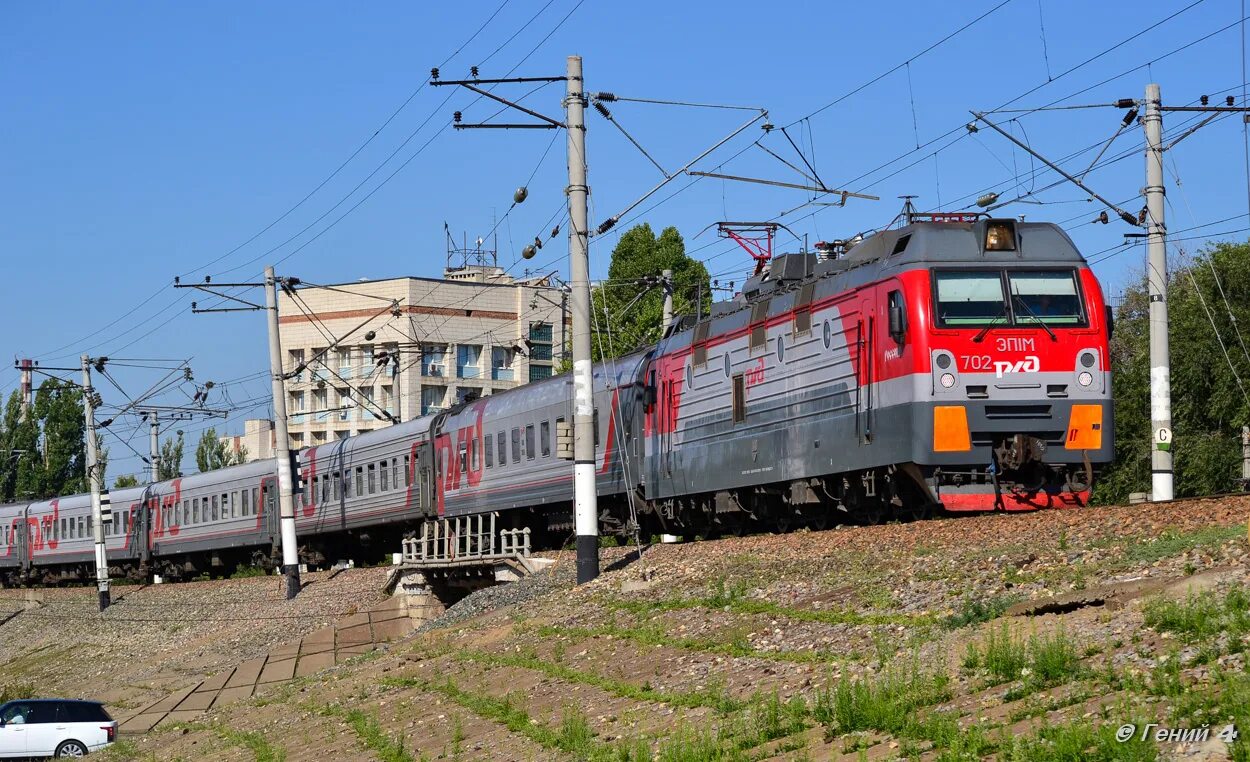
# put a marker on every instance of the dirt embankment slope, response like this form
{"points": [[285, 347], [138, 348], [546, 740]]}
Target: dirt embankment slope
{"points": [[868, 642]]}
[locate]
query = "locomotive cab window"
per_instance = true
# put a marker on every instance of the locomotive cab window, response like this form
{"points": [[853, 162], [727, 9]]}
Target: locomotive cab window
{"points": [[970, 297], [1049, 296]]}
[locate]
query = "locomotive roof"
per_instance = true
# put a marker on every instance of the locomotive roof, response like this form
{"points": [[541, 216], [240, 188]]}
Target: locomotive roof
{"points": [[919, 244]]}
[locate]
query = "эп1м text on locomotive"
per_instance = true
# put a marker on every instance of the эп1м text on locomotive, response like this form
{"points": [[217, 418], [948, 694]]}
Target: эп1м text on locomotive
{"points": [[956, 361]]}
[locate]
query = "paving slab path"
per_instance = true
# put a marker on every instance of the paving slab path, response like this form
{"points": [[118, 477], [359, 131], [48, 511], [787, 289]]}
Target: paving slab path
{"points": [[321, 649]]}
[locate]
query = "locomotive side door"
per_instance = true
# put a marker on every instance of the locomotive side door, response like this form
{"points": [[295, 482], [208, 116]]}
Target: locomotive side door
{"points": [[670, 403], [866, 366]]}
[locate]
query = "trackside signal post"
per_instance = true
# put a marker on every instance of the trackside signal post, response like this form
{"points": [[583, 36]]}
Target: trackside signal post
{"points": [[95, 482]]}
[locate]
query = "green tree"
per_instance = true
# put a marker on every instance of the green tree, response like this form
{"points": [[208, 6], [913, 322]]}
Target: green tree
{"points": [[170, 466], [211, 453], [58, 406], [1209, 404], [124, 481], [639, 254], [21, 457]]}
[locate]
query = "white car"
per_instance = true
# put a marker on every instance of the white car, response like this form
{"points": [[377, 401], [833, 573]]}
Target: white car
{"points": [[54, 728]]}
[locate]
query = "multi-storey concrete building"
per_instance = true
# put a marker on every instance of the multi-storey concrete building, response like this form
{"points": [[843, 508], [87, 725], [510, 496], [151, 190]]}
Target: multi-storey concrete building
{"points": [[365, 354]]}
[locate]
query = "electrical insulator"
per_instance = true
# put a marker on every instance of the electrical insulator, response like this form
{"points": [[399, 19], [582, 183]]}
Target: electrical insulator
{"points": [[473, 71], [538, 242], [521, 194], [607, 97], [1102, 217], [434, 73], [555, 231], [1125, 103], [1229, 100], [987, 199], [370, 335], [602, 109], [456, 117], [1129, 117]]}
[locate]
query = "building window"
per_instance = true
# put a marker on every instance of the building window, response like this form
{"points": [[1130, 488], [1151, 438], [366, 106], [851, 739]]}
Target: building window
{"points": [[317, 365], [387, 399], [539, 341], [297, 359], [342, 404], [345, 362], [367, 408], [366, 360], [432, 398], [539, 372], [319, 403], [297, 441], [296, 404], [468, 361], [434, 360], [501, 359]]}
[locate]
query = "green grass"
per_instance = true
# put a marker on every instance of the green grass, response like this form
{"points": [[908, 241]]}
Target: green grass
{"points": [[654, 635], [261, 750], [713, 697], [14, 691], [1202, 617], [1170, 543], [1078, 742], [975, 610], [733, 598], [886, 703], [247, 572], [1041, 661], [387, 747]]}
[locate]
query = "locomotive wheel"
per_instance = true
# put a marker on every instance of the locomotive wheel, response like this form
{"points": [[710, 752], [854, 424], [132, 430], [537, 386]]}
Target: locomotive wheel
{"points": [[872, 514], [819, 520]]}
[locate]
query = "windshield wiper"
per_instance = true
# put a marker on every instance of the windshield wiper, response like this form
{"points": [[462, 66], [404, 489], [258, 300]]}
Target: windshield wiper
{"points": [[1030, 313], [980, 337]]}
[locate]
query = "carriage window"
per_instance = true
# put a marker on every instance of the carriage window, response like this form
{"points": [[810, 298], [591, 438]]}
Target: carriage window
{"points": [[461, 455], [475, 460], [739, 399], [214, 514], [234, 505], [182, 517], [360, 481], [516, 445], [82, 524], [386, 477], [544, 437], [970, 298], [1046, 295], [373, 479], [530, 449], [503, 449], [63, 528], [195, 510], [407, 472], [595, 424], [488, 450], [395, 473]]}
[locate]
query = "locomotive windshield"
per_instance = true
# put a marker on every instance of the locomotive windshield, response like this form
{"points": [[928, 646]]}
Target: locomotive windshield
{"points": [[979, 297], [970, 297], [1050, 295]]}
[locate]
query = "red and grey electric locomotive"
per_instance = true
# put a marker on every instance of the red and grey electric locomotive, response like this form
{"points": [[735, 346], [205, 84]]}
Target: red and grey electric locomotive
{"points": [[957, 362]]}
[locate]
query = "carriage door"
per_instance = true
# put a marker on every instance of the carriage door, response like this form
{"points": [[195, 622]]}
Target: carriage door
{"points": [[425, 482], [269, 503], [22, 540]]}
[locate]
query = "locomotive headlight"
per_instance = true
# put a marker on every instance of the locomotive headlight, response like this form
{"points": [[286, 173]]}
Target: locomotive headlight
{"points": [[1000, 235], [1085, 378], [948, 380], [1088, 359]]}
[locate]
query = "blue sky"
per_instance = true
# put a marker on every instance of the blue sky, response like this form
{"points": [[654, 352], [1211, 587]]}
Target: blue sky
{"points": [[145, 140]]}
